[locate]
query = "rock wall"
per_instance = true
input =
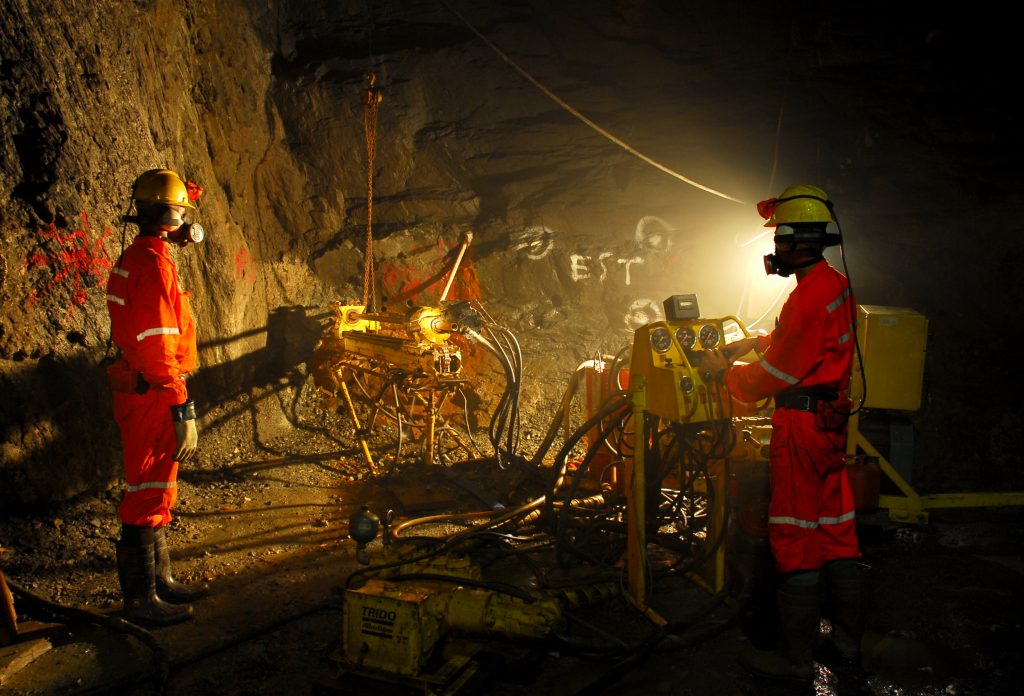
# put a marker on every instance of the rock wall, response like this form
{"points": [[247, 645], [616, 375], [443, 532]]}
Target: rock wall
{"points": [[95, 93], [490, 122]]}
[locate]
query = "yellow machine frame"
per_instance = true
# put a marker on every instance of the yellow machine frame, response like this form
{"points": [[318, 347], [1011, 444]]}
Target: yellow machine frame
{"points": [[664, 383], [416, 343], [912, 507]]}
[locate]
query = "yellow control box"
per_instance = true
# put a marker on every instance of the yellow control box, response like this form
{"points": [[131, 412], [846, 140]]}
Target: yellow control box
{"points": [[892, 340]]}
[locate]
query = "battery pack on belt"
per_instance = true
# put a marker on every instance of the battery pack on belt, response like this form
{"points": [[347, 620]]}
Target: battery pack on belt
{"points": [[803, 400]]}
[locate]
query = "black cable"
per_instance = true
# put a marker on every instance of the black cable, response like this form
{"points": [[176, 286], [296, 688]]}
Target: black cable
{"points": [[683, 445], [504, 423], [107, 358], [442, 545], [469, 428], [561, 524], [557, 420], [561, 458], [514, 423], [853, 320], [161, 666]]}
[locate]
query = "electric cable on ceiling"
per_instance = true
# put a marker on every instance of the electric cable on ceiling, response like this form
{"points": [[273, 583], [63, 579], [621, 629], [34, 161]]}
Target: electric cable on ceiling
{"points": [[628, 148]]}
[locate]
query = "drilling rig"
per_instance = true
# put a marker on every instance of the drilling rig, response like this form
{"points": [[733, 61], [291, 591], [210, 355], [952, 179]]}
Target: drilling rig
{"points": [[663, 447]]}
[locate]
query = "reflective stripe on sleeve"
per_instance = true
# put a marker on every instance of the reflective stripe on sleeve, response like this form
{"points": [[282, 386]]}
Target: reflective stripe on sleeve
{"points": [[120, 271], [158, 331], [776, 372], [116, 299], [836, 303]]}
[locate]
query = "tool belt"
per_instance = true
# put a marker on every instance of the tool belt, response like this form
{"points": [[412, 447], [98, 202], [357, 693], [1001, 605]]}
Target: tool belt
{"points": [[831, 409], [803, 399], [124, 379]]}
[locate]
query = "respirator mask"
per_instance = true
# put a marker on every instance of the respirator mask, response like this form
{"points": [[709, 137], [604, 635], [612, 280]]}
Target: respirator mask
{"points": [[180, 228], [174, 220], [188, 233], [774, 264]]}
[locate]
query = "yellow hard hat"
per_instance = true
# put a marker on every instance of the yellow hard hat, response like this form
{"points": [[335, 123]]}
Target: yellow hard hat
{"points": [[160, 186], [798, 203]]}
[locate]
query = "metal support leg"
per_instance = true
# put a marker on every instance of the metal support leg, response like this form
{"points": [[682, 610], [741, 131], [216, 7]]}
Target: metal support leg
{"points": [[359, 429]]}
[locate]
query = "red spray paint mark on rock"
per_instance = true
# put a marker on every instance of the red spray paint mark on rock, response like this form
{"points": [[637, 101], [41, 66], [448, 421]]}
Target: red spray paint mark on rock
{"points": [[75, 261], [407, 283], [245, 271]]}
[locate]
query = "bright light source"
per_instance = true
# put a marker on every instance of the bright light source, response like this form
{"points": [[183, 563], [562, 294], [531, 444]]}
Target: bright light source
{"points": [[762, 295], [718, 256]]}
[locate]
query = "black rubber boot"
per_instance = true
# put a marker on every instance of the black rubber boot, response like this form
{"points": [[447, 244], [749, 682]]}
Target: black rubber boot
{"points": [[136, 569], [799, 617], [844, 587], [167, 588]]}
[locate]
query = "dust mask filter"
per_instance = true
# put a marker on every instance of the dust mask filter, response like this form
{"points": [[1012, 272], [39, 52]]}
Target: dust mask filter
{"points": [[188, 233], [772, 266], [182, 230]]}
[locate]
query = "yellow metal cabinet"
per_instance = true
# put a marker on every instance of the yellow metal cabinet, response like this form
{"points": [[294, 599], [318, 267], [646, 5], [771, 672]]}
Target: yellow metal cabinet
{"points": [[892, 340]]}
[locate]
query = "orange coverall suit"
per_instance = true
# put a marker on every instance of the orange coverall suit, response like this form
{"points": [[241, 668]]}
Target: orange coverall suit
{"points": [[811, 515], [152, 325]]}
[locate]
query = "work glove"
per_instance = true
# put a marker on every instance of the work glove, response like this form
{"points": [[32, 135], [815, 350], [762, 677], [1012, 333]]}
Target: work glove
{"points": [[188, 439]]}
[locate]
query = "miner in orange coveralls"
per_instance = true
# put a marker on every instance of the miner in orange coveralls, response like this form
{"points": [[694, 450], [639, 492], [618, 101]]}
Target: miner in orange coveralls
{"points": [[152, 326], [805, 364]]}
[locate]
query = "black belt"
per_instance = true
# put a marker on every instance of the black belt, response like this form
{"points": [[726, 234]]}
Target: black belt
{"points": [[803, 400]]}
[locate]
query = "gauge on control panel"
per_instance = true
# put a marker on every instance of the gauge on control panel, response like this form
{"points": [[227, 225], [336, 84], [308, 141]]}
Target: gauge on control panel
{"points": [[686, 337], [709, 336], [661, 339]]}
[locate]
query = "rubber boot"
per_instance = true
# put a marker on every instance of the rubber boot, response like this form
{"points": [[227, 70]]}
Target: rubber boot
{"points": [[136, 570], [799, 617], [844, 588], [167, 588]]}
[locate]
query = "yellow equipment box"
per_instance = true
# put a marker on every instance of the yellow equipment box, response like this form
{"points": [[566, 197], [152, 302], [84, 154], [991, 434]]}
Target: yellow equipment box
{"points": [[892, 340], [390, 627]]}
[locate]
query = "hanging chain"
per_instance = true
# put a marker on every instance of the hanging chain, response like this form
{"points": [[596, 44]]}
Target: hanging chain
{"points": [[372, 97]]}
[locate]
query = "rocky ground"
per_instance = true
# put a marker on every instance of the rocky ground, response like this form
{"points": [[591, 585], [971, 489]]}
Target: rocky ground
{"points": [[266, 526]]}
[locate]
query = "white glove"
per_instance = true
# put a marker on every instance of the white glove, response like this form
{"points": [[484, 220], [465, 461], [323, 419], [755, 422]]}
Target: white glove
{"points": [[188, 439]]}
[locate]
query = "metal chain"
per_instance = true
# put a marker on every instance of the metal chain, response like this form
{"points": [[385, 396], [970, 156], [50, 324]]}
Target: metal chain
{"points": [[373, 97]]}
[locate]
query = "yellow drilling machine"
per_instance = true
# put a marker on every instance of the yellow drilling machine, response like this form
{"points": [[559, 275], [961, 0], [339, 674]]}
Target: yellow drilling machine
{"points": [[664, 479]]}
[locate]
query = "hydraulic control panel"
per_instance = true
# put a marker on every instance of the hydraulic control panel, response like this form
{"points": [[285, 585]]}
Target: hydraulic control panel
{"points": [[668, 355]]}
